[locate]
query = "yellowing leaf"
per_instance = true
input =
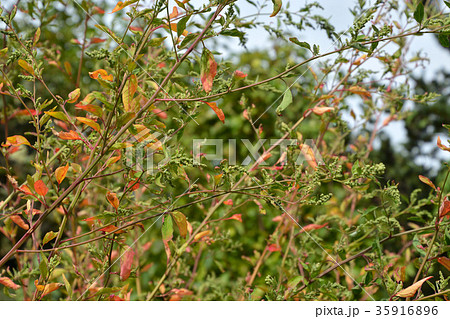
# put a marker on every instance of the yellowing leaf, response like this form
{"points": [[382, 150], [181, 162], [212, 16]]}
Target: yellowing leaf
{"points": [[308, 153], [411, 290], [58, 115], [180, 220], [91, 108], [208, 69], [89, 122], [218, 111], [24, 65], [202, 235], [427, 181], [48, 237], [5, 281], [16, 140], [60, 173], [359, 91], [19, 222], [276, 7], [128, 92], [47, 288], [40, 188], [73, 96]]}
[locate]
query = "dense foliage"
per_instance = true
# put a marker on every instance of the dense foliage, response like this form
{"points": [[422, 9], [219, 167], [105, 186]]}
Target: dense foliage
{"points": [[111, 114]]}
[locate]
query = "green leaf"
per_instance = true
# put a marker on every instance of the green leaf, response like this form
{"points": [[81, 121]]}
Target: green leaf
{"points": [[287, 100], [181, 25], [443, 40], [156, 42], [68, 286], [43, 268], [447, 3], [302, 44], [419, 13], [167, 228], [276, 7], [180, 220]]}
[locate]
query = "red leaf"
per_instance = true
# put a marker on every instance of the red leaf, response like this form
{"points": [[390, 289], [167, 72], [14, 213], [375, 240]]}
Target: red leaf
{"points": [[218, 111], [40, 188], [445, 208], [26, 190], [97, 40], [125, 264], [240, 74], [111, 228], [228, 202], [273, 247], [237, 217]]}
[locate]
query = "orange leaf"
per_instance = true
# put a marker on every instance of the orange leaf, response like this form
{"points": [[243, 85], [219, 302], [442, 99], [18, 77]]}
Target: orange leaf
{"points": [[444, 261], [5, 281], [174, 13], [312, 227], [19, 222], [208, 69], [445, 208], [89, 122], [16, 140], [119, 6], [71, 135], [218, 111], [40, 188], [359, 91], [320, 110], [102, 73], [125, 264], [411, 290], [61, 172], [74, 95], [112, 199], [24, 65]]}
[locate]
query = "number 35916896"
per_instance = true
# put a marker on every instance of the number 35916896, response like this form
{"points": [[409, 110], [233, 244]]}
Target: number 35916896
{"points": [[406, 310]]}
